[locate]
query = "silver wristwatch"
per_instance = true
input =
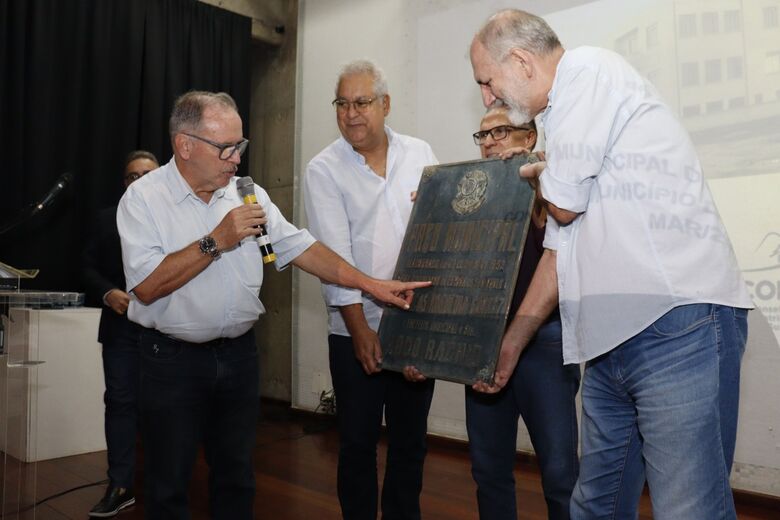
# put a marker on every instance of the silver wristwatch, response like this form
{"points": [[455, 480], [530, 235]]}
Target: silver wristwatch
{"points": [[208, 246]]}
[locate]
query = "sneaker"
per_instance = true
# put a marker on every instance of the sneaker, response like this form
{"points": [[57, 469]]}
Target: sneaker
{"points": [[113, 501]]}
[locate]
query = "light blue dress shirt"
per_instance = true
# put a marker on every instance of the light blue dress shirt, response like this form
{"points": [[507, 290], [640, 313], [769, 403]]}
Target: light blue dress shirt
{"points": [[649, 237], [160, 214]]}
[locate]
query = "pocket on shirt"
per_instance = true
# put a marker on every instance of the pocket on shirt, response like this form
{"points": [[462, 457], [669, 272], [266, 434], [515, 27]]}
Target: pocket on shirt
{"points": [[250, 264]]}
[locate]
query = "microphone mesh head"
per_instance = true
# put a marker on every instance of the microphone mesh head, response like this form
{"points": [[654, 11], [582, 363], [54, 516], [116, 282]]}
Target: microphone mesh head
{"points": [[245, 186]]}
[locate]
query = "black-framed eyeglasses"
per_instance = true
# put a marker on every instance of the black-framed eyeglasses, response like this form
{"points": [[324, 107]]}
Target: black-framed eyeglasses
{"points": [[226, 151], [360, 104], [497, 133]]}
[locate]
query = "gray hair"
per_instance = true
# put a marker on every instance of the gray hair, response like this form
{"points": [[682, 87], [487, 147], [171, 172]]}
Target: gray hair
{"points": [[513, 28], [364, 67], [189, 107]]}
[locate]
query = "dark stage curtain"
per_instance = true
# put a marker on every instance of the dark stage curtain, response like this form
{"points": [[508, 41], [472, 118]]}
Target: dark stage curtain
{"points": [[82, 83]]}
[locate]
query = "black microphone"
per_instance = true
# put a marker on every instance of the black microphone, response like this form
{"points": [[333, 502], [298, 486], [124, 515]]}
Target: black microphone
{"points": [[246, 188], [33, 209], [62, 182]]}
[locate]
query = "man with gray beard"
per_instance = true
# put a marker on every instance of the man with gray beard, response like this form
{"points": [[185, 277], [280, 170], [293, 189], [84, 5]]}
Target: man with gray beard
{"points": [[658, 315]]}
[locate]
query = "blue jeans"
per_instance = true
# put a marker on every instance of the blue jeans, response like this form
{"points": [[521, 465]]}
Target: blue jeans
{"points": [[542, 391], [193, 393], [120, 370], [676, 385], [361, 401]]}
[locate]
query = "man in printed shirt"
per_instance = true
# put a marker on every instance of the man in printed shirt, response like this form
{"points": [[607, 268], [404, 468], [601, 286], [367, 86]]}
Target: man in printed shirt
{"points": [[194, 272], [650, 294], [358, 201]]}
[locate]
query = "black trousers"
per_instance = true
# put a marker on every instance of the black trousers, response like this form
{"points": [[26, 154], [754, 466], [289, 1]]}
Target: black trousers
{"points": [[120, 369], [192, 394], [361, 402]]}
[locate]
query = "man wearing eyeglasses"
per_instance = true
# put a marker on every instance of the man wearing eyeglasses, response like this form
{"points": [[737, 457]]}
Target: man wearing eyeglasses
{"points": [[194, 272], [105, 283], [358, 202], [497, 134], [541, 388]]}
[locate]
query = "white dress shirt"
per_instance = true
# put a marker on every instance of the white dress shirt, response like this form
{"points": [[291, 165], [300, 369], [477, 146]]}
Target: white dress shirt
{"points": [[649, 237], [362, 216], [159, 214]]}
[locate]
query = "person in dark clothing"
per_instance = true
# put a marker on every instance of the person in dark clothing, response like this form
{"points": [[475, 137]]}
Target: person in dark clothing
{"points": [[105, 281]]}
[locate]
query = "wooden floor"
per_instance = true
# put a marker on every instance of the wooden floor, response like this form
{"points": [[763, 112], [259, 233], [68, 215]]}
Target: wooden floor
{"points": [[295, 468]]}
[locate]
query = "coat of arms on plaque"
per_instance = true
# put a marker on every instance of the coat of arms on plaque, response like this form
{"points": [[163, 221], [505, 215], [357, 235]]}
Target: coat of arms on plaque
{"points": [[471, 192]]}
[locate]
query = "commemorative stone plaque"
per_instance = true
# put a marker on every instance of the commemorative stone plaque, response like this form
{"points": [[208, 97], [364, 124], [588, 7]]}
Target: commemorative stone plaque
{"points": [[465, 234]]}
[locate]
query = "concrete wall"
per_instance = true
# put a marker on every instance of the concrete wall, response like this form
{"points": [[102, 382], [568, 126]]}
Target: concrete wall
{"points": [[272, 129], [271, 158]]}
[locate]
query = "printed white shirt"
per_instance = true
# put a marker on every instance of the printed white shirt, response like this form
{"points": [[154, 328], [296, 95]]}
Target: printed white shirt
{"points": [[159, 214], [362, 216], [649, 237]]}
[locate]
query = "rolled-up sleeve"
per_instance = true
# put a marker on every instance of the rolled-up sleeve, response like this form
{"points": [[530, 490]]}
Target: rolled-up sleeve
{"points": [[287, 240], [587, 120], [142, 245], [329, 223]]}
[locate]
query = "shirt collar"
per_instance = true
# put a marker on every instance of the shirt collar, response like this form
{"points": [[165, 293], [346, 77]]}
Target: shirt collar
{"points": [[391, 141], [180, 188], [551, 94]]}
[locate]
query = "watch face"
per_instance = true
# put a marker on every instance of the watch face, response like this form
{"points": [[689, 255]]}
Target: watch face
{"points": [[208, 246]]}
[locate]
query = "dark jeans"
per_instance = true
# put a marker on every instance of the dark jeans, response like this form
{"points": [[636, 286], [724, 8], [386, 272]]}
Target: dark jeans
{"points": [[542, 390], [361, 401], [120, 369], [193, 393]]}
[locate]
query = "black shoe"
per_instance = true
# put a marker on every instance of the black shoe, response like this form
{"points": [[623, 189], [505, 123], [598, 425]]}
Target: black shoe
{"points": [[113, 501]]}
